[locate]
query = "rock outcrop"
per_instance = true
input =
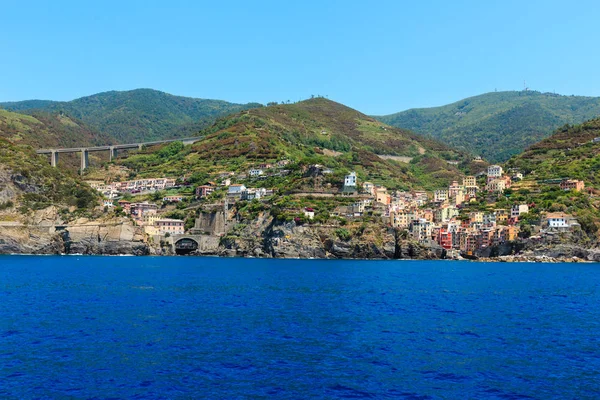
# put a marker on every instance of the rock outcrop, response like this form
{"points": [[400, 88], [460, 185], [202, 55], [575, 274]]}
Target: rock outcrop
{"points": [[83, 238]]}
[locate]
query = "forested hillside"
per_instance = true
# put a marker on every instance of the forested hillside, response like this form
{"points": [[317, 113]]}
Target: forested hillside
{"points": [[317, 131], [137, 115], [497, 125]]}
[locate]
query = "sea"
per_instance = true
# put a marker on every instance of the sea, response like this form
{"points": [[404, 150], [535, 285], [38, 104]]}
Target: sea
{"points": [[87, 327]]}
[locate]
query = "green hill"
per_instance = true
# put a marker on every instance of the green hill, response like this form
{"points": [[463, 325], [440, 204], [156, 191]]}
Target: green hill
{"points": [[316, 131], [43, 129], [136, 115], [497, 125], [28, 182], [569, 153]]}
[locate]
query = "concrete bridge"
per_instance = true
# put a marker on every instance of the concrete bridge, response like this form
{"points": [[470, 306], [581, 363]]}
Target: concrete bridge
{"points": [[112, 149]]}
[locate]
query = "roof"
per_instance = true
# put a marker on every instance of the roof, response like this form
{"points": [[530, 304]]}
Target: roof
{"points": [[557, 215]]}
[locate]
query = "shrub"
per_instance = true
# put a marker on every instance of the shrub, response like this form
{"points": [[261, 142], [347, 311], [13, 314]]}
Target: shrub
{"points": [[343, 234]]}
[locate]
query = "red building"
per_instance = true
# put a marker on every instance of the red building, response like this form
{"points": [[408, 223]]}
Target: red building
{"points": [[204, 190], [444, 238]]}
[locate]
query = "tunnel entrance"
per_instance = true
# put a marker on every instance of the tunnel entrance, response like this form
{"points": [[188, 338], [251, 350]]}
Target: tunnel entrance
{"points": [[185, 246]]}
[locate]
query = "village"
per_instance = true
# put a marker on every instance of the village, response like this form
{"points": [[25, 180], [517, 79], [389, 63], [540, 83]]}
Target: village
{"points": [[446, 217]]}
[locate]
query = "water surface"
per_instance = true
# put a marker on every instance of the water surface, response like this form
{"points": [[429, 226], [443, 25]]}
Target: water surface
{"points": [[183, 327]]}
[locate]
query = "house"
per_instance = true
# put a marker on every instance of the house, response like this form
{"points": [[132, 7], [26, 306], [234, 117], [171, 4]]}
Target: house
{"points": [[440, 196], [518, 209], [400, 219], [256, 172], [251, 194], [557, 220], [138, 210], [350, 180], [125, 205], [489, 219], [469, 181], [459, 197], [309, 213], [369, 188], [236, 189], [204, 190], [572, 184], [454, 189], [444, 237], [149, 219], [265, 166], [496, 185], [108, 203], [494, 171], [501, 216], [171, 226], [173, 198], [421, 230], [382, 196], [476, 217]]}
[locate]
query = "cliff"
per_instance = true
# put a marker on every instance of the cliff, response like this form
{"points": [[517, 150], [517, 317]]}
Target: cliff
{"points": [[265, 237], [117, 238]]}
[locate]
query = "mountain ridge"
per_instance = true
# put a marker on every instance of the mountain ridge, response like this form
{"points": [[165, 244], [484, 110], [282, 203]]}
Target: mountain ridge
{"points": [[137, 115], [497, 125]]}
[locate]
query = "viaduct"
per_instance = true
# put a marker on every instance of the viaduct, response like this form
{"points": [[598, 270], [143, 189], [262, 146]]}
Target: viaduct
{"points": [[112, 149]]}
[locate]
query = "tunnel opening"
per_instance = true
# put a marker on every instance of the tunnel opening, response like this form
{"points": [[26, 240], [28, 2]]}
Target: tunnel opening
{"points": [[185, 246]]}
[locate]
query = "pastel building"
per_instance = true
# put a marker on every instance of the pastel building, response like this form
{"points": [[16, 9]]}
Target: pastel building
{"points": [[171, 226]]}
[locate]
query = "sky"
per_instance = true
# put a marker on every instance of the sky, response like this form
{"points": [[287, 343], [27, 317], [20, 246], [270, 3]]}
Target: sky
{"points": [[379, 57]]}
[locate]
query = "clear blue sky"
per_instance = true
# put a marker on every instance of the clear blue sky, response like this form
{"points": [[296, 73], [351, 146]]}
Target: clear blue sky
{"points": [[379, 57]]}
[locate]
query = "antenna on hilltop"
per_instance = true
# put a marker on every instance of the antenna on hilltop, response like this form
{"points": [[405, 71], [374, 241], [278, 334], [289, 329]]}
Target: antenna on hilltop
{"points": [[525, 88]]}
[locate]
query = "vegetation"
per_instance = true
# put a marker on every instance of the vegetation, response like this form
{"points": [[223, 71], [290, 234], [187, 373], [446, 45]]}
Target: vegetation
{"points": [[316, 131], [497, 125], [37, 185], [568, 153], [137, 115], [42, 130]]}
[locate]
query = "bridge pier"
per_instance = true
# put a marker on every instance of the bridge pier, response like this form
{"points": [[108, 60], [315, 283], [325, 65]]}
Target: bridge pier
{"points": [[85, 160], [112, 153], [54, 158], [140, 146]]}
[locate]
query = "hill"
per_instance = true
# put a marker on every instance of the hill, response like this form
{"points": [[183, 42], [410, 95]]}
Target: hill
{"points": [[497, 125], [43, 129], [137, 115], [569, 153], [316, 131], [29, 183]]}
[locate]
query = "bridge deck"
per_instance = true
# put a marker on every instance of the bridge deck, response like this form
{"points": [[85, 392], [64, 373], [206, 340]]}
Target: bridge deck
{"points": [[116, 146]]}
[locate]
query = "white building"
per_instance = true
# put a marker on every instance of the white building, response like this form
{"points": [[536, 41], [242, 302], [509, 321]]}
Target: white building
{"points": [[350, 180], [236, 188], [256, 172], [557, 220], [309, 213], [494, 171]]}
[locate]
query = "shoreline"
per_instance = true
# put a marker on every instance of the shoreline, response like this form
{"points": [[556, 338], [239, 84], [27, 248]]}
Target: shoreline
{"points": [[500, 259]]}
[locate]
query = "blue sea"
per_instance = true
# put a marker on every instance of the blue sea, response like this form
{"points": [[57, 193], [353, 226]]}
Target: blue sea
{"points": [[225, 328]]}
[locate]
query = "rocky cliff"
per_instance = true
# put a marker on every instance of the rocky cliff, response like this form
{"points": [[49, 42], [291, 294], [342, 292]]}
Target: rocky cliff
{"points": [[117, 238], [266, 237]]}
